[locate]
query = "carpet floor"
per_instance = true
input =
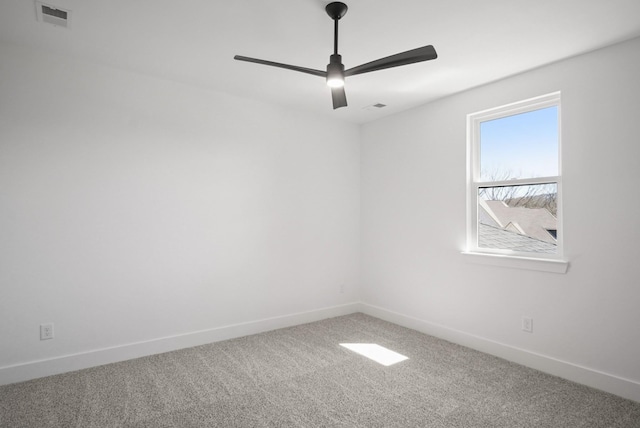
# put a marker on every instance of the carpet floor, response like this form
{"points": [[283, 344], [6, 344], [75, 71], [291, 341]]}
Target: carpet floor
{"points": [[302, 377]]}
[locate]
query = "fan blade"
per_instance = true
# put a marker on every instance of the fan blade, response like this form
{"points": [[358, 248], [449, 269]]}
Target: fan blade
{"points": [[280, 65], [424, 53], [339, 97]]}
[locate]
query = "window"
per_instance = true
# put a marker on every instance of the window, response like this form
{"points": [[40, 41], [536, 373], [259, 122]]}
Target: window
{"points": [[514, 182]]}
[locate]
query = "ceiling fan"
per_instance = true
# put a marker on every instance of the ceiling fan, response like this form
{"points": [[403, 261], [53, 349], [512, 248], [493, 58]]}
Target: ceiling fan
{"points": [[336, 73]]}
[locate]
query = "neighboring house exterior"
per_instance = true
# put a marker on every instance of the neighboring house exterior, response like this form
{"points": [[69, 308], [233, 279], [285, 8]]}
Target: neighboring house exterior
{"points": [[516, 228]]}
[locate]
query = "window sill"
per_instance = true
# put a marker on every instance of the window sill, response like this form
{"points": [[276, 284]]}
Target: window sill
{"points": [[529, 263]]}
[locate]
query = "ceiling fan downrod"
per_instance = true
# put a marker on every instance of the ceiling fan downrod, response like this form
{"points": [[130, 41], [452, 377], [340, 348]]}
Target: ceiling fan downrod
{"points": [[336, 10]]}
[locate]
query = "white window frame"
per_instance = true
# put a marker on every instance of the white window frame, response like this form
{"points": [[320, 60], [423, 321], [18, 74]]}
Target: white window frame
{"points": [[504, 257]]}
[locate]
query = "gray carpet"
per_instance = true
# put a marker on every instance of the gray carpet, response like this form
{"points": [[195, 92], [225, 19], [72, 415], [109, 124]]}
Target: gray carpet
{"points": [[301, 377]]}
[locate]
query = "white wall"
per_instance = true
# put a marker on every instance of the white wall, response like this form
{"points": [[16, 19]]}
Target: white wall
{"points": [[413, 225], [133, 208]]}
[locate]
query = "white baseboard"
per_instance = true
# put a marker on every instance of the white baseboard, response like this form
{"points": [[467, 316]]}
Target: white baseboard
{"points": [[98, 357], [603, 381]]}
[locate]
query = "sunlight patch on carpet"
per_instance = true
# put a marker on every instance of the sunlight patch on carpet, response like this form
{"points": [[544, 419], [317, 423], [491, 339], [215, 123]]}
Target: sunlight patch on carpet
{"points": [[375, 352]]}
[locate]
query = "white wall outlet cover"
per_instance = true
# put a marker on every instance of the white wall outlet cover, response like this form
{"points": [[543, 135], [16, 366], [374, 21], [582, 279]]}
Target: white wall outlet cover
{"points": [[46, 331]]}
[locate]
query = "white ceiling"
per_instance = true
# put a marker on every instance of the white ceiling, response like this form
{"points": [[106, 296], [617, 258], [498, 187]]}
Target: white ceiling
{"points": [[194, 41]]}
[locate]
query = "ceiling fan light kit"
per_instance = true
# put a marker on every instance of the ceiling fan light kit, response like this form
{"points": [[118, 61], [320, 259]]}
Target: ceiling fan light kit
{"points": [[336, 73]]}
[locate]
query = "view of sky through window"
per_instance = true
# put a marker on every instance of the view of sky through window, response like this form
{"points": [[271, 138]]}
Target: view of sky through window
{"points": [[520, 146]]}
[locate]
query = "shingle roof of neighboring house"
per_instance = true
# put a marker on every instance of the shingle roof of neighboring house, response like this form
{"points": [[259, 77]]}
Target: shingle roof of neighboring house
{"points": [[532, 222], [495, 237]]}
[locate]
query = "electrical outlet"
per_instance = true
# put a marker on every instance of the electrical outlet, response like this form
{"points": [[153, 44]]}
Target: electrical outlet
{"points": [[527, 324], [342, 288], [46, 331]]}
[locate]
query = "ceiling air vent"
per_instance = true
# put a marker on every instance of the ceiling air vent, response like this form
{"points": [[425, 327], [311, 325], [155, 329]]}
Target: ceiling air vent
{"points": [[374, 107], [52, 15]]}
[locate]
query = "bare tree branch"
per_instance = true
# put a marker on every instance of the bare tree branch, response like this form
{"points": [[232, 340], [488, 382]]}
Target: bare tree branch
{"points": [[529, 196]]}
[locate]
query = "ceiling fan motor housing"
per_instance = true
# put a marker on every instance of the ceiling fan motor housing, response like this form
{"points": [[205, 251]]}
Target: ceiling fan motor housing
{"points": [[335, 70]]}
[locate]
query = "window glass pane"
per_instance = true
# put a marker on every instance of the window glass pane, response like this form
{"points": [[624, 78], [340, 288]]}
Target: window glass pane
{"points": [[520, 146], [518, 218]]}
